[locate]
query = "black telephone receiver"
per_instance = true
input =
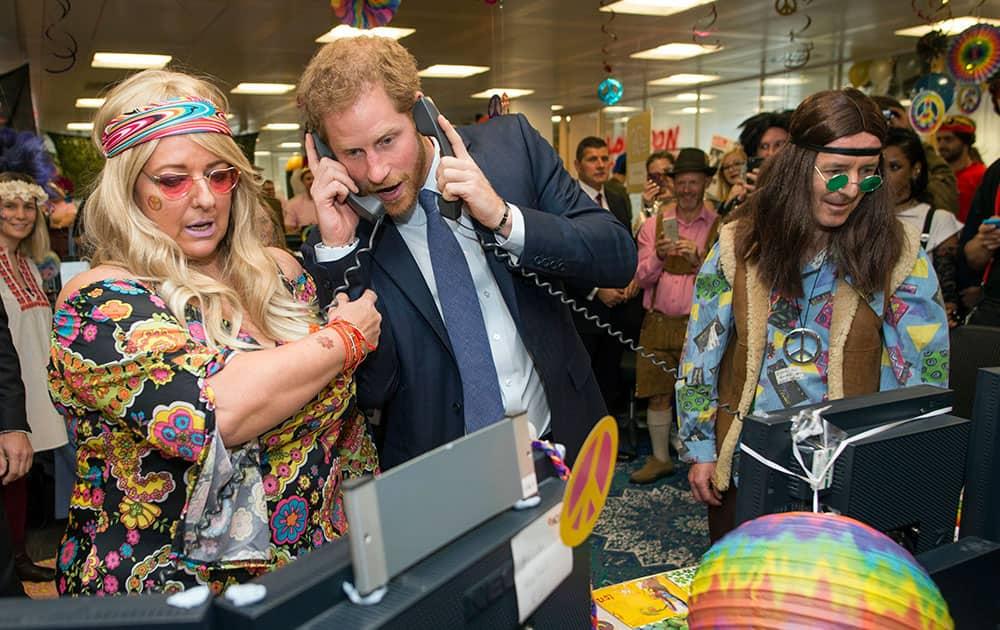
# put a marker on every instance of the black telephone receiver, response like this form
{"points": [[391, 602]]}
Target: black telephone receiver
{"points": [[425, 116], [367, 207]]}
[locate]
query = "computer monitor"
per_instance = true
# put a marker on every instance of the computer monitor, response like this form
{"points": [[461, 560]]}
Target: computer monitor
{"points": [[904, 481], [981, 503], [471, 583], [311, 588], [967, 573]]}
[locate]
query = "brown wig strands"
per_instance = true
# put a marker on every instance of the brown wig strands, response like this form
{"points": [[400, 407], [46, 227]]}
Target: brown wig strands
{"points": [[778, 227]]}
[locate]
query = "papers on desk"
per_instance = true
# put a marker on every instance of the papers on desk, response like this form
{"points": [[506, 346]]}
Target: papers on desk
{"points": [[541, 561], [654, 602]]}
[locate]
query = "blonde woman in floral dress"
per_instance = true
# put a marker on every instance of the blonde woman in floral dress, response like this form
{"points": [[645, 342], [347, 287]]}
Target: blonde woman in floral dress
{"points": [[215, 419]]}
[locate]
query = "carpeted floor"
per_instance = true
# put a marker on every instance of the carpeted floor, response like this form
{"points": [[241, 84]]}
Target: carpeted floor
{"points": [[647, 529]]}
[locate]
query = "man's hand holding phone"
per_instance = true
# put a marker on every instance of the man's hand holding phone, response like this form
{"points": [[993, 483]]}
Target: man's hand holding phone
{"points": [[753, 172], [331, 185], [459, 177]]}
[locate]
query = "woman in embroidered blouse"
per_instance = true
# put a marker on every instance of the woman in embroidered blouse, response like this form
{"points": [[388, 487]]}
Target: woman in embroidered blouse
{"points": [[791, 305], [24, 240], [214, 422]]}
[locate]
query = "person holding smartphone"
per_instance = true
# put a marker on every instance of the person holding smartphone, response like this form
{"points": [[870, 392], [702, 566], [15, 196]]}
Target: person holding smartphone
{"points": [[659, 188], [762, 136], [672, 245]]}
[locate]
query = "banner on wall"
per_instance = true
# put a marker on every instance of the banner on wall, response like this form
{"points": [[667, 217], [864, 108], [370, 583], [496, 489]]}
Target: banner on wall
{"points": [[638, 141]]}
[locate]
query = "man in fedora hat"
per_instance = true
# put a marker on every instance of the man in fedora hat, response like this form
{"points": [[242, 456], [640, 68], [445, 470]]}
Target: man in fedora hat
{"points": [[672, 246]]}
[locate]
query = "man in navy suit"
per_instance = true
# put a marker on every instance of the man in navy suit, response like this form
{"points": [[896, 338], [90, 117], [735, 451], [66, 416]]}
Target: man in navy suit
{"points": [[613, 306], [517, 198], [15, 449]]}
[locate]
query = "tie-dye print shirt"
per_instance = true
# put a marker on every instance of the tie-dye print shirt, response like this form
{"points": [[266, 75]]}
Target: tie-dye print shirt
{"points": [[130, 380], [914, 337]]}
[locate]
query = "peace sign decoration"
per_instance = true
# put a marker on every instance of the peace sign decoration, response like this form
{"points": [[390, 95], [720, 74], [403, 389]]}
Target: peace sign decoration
{"points": [[588, 485], [926, 111]]}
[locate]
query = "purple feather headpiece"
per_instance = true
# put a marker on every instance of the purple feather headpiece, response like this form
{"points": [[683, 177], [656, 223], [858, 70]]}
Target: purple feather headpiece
{"points": [[24, 152]]}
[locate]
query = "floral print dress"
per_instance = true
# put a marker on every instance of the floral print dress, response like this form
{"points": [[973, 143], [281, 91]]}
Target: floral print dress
{"points": [[130, 379]]}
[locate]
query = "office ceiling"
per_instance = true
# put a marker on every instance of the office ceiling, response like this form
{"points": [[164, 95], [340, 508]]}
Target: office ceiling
{"points": [[553, 47]]}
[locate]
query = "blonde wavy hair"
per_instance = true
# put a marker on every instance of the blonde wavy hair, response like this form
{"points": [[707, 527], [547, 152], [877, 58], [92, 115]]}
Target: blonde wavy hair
{"points": [[36, 244], [722, 186], [120, 234]]}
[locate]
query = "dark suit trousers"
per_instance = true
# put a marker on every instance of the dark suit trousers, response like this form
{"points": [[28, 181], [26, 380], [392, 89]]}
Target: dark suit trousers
{"points": [[605, 359], [10, 586]]}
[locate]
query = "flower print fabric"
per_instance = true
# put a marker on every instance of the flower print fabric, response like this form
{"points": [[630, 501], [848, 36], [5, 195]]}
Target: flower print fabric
{"points": [[130, 379], [914, 344]]}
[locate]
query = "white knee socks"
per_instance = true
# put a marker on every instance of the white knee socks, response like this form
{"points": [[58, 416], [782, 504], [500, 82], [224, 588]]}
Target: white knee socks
{"points": [[660, 422]]}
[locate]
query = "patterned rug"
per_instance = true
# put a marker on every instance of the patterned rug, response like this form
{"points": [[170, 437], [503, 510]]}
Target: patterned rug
{"points": [[647, 529]]}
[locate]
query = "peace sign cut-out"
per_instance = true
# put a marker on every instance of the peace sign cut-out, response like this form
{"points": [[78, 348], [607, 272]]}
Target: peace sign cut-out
{"points": [[588, 485]]}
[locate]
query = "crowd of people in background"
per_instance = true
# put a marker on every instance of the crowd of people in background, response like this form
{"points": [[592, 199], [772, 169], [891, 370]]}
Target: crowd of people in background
{"points": [[752, 280]]}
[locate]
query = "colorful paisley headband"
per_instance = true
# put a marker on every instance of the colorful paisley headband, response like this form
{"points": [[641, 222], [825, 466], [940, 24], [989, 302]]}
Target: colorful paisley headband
{"points": [[172, 117]]}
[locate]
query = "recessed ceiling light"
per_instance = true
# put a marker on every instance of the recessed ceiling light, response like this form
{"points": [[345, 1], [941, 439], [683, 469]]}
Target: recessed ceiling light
{"points": [[343, 30], [771, 98], [556, 119], [685, 79], [263, 88], [652, 7], [290, 145], [618, 109], [687, 97], [785, 80], [675, 51], [556, 108], [262, 153], [89, 103], [906, 102], [129, 60], [510, 92], [693, 110], [954, 26], [80, 126], [446, 71], [280, 127]]}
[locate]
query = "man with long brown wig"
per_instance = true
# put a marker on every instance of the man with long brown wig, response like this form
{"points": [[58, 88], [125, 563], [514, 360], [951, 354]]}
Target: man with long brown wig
{"points": [[791, 305]]}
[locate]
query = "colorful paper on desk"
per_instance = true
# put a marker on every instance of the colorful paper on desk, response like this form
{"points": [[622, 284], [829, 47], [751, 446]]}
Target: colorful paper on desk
{"points": [[646, 602]]}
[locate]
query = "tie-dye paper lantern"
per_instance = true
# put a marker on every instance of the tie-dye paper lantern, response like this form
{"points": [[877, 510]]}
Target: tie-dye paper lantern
{"points": [[364, 14], [805, 570]]}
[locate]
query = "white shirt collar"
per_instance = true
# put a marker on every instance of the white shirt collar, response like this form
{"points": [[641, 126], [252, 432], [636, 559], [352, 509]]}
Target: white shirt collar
{"points": [[592, 192]]}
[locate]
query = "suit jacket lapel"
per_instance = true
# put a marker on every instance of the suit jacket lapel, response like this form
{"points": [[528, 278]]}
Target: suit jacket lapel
{"points": [[394, 257]]}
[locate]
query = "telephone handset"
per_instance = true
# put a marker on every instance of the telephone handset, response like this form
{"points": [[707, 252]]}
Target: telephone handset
{"points": [[425, 116], [367, 207]]}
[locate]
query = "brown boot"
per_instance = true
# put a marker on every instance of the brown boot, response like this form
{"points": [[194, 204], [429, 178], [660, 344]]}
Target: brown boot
{"points": [[653, 469]]}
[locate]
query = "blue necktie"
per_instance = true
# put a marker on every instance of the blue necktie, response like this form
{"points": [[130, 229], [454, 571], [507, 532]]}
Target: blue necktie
{"points": [[464, 320]]}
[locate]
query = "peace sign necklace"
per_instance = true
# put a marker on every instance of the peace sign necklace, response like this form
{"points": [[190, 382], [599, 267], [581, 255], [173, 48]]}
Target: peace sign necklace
{"points": [[802, 344]]}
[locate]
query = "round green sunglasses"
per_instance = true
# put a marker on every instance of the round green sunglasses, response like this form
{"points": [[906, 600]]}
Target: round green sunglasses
{"points": [[835, 183]]}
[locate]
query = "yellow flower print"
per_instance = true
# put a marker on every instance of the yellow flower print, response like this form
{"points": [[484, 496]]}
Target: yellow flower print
{"points": [[137, 515]]}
